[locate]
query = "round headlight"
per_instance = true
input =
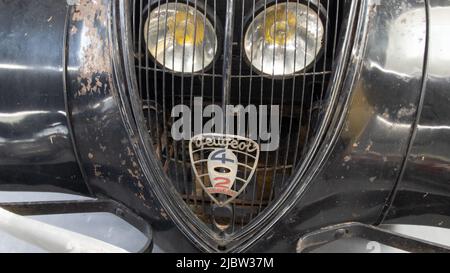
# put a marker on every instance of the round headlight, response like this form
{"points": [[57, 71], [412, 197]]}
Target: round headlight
{"points": [[284, 39], [180, 37]]}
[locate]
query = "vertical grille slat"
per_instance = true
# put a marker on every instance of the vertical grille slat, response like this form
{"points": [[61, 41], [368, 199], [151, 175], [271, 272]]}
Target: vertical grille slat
{"points": [[322, 90], [258, 175], [183, 144], [202, 94], [230, 79], [291, 120], [175, 145], [312, 96], [296, 150], [242, 14], [165, 137], [335, 36], [158, 139], [253, 12], [282, 96]]}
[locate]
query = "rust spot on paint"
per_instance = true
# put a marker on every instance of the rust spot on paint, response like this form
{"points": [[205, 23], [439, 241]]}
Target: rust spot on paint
{"points": [[73, 30], [134, 174], [103, 148], [90, 21], [164, 215], [97, 171]]}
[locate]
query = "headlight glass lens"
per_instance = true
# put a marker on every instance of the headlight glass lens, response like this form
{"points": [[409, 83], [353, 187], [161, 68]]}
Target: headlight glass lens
{"points": [[284, 39], [180, 37]]}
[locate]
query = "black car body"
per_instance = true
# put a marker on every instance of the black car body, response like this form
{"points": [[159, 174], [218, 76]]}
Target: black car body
{"points": [[79, 95]]}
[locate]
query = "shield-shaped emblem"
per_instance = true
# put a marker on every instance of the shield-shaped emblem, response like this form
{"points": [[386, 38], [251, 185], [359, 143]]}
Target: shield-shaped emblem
{"points": [[223, 165]]}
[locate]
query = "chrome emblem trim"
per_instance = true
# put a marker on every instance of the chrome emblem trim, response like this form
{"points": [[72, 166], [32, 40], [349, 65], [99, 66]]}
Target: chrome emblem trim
{"points": [[223, 165]]}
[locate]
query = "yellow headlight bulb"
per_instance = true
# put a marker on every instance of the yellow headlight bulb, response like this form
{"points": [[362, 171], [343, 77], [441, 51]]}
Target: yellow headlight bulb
{"points": [[180, 37], [186, 28], [280, 26]]}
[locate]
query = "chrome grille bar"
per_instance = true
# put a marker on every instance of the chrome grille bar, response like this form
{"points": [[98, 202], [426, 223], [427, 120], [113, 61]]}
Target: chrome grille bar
{"points": [[227, 56]]}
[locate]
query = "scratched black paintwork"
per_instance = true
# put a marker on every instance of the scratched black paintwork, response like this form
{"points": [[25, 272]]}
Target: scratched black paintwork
{"points": [[104, 146], [107, 150], [36, 151]]}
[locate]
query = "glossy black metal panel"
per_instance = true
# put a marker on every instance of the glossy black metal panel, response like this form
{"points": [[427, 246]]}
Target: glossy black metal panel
{"points": [[423, 195], [36, 151], [357, 167], [103, 125]]}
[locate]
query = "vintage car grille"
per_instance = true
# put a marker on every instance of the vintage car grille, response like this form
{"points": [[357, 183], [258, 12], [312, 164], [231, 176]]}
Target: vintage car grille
{"points": [[300, 96]]}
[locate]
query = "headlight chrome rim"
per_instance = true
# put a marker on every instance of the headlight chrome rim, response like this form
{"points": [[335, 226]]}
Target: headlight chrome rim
{"points": [[314, 6], [202, 13]]}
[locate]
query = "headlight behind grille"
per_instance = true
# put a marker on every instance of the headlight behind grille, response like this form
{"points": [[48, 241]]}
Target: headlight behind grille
{"points": [[284, 39], [180, 38]]}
